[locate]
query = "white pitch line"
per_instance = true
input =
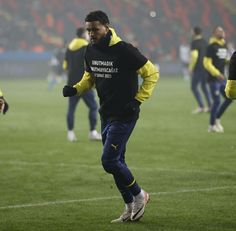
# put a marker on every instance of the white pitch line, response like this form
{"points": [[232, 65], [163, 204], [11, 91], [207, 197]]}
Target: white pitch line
{"points": [[100, 167], [113, 197]]}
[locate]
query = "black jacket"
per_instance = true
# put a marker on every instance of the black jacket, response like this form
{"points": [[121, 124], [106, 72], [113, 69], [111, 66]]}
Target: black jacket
{"points": [[115, 71]]}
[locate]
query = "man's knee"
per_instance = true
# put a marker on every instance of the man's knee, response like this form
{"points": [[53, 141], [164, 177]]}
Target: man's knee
{"points": [[93, 105], [216, 100], [111, 166]]}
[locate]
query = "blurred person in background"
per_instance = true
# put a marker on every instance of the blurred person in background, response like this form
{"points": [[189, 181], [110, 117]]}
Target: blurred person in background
{"points": [[56, 73], [184, 55], [3, 104], [113, 67], [198, 72], [230, 89], [214, 62], [74, 64], [231, 49]]}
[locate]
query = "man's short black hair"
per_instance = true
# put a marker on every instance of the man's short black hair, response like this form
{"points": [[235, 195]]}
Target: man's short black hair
{"points": [[97, 15], [197, 30], [80, 31]]}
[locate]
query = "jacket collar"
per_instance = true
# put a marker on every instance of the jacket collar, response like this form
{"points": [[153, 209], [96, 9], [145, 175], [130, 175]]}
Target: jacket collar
{"points": [[109, 40], [114, 38], [213, 39]]}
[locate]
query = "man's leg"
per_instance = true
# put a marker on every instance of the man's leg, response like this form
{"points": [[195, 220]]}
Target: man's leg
{"points": [[205, 89], [125, 192], [194, 87], [115, 136], [90, 101], [72, 104], [215, 92], [225, 104]]}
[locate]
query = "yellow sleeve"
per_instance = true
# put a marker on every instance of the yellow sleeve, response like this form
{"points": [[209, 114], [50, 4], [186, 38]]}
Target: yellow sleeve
{"points": [[65, 65], [87, 82], [150, 75], [230, 89], [193, 59], [207, 62], [1, 94]]}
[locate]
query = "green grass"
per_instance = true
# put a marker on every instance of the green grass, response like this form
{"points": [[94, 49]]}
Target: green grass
{"points": [[190, 173]]}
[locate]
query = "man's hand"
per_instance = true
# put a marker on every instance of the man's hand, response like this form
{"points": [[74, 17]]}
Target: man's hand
{"points": [[69, 91], [3, 105], [132, 107], [221, 77]]}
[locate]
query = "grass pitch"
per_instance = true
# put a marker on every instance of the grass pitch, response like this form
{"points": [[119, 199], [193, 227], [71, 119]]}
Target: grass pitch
{"points": [[47, 183]]}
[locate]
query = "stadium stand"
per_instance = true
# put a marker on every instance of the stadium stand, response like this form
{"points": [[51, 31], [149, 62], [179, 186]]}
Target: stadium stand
{"points": [[42, 25]]}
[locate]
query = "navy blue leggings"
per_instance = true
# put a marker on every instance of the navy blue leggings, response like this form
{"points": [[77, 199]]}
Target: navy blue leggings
{"points": [[89, 99], [217, 89], [199, 77], [115, 135]]}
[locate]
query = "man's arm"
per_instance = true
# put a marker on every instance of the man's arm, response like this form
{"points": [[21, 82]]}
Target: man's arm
{"points": [[193, 60], [230, 89], [150, 75], [207, 62], [86, 83]]}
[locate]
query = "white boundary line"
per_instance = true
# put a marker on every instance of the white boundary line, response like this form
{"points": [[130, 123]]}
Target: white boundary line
{"points": [[114, 197], [100, 167]]}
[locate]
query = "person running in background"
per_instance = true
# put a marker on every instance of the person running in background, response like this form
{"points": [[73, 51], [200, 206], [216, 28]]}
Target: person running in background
{"points": [[184, 55], [230, 50], [214, 62], [230, 89], [56, 72], [198, 72], [3, 104], [113, 67], [74, 64]]}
